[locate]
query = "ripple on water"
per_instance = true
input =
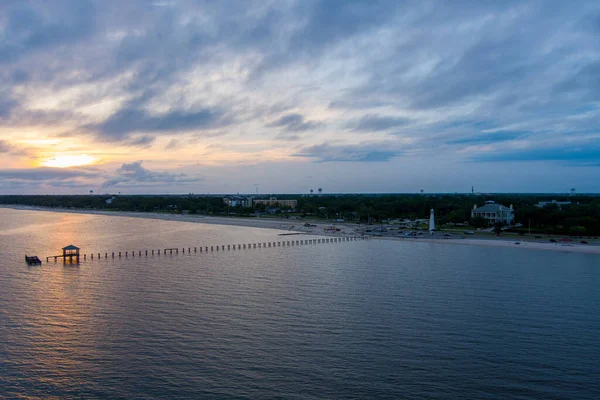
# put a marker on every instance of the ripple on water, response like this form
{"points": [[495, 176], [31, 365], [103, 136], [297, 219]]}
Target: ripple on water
{"points": [[376, 319]]}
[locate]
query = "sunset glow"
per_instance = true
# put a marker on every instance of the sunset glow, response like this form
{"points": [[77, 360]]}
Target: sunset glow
{"points": [[68, 161]]}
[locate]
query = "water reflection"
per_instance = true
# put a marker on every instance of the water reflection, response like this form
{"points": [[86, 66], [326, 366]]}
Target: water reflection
{"points": [[376, 319]]}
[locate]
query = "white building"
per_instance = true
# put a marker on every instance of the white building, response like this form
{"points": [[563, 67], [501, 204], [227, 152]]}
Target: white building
{"points": [[494, 213], [559, 204], [234, 201]]}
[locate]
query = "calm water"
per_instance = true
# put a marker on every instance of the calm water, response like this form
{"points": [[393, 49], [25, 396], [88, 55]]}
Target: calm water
{"points": [[368, 320]]}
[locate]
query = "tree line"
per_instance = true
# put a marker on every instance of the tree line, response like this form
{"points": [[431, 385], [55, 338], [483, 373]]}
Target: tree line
{"points": [[581, 217]]}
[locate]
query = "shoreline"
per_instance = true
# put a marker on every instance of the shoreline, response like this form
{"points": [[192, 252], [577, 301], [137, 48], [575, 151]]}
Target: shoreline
{"points": [[502, 242], [297, 227]]}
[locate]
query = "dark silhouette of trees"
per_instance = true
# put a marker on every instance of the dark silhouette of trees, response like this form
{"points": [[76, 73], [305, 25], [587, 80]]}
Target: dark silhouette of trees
{"points": [[581, 217]]}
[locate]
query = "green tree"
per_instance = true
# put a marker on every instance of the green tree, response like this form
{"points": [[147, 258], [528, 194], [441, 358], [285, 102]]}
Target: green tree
{"points": [[479, 222]]}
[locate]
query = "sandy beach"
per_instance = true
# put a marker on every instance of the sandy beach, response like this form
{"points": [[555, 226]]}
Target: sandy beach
{"points": [[342, 229], [522, 244]]}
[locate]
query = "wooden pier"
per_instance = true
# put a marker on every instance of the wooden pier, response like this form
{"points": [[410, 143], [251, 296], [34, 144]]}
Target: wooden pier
{"points": [[72, 253]]}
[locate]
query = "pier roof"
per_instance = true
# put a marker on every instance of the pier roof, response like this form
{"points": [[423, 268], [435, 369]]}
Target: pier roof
{"points": [[71, 247]]}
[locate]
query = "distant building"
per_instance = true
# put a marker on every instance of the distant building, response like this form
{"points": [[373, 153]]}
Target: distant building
{"points": [[494, 213], [278, 203], [559, 204], [234, 201]]}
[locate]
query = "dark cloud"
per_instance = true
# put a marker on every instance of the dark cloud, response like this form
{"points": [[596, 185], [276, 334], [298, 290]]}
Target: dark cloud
{"points": [[134, 174], [28, 28], [19, 76], [327, 152], [173, 144], [47, 174], [8, 148], [502, 67], [46, 180], [141, 141], [334, 20], [324, 24], [288, 137], [130, 120], [485, 67], [374, 122], [7, 105], [5, 147], [294, 123]]}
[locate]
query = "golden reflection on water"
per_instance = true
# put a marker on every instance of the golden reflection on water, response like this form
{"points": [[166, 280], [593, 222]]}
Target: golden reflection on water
{"points": [[66, 322], [58, 325]]}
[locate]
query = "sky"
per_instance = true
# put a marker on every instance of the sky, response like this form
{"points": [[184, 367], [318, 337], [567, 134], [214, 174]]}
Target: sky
{"points": [[354, 96]]}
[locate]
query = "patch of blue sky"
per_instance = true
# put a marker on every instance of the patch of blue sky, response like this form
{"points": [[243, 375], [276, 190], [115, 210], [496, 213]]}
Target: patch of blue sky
{"points": [[492, 137], [582, 154]]}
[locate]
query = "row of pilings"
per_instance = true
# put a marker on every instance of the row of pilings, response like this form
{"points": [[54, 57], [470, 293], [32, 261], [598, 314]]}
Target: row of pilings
{"points": [[208, 249]]}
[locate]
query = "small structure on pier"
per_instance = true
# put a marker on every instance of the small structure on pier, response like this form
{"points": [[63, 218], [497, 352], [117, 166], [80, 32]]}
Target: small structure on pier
{"points": [[32, 260], [70, 253]]}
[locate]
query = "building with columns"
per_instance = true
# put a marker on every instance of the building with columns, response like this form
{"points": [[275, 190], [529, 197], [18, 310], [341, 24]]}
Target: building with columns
{"points": [[494, 213]]}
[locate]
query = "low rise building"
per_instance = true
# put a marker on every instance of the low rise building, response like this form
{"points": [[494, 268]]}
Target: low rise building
{"points": [[559, 204], [235, 201], [494, 213], [273, 202]]}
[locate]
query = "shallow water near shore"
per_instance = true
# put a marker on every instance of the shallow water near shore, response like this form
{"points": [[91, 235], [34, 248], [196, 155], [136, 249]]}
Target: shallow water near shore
{"points": [[368, 319]]}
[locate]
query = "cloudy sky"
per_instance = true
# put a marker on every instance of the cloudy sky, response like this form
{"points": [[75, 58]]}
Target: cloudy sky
{"points": [[178, 96]]}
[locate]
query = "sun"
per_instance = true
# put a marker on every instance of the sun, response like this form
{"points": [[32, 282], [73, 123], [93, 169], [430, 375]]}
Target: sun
{"points": [[68, 161]]}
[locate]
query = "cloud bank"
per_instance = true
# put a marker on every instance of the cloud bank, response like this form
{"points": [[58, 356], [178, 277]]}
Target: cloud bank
{"points": [[307, 82]]}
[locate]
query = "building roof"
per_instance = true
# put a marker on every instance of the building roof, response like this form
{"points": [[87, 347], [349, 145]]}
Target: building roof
{"points": [[491, 208], [71, 247], [558, 203]]}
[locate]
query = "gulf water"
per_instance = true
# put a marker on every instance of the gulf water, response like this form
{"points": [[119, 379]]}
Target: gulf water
{"points": [[373, 319]]}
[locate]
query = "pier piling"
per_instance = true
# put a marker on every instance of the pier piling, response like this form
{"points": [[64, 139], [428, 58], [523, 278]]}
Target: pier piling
{"points": [[261, 245]]}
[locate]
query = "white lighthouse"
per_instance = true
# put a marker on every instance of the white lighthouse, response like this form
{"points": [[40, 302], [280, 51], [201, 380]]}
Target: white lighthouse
{"points": [[431, 222]]}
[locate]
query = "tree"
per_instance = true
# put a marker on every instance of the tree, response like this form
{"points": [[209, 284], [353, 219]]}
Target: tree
{"points": [[498, 228], [479, 222]]}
